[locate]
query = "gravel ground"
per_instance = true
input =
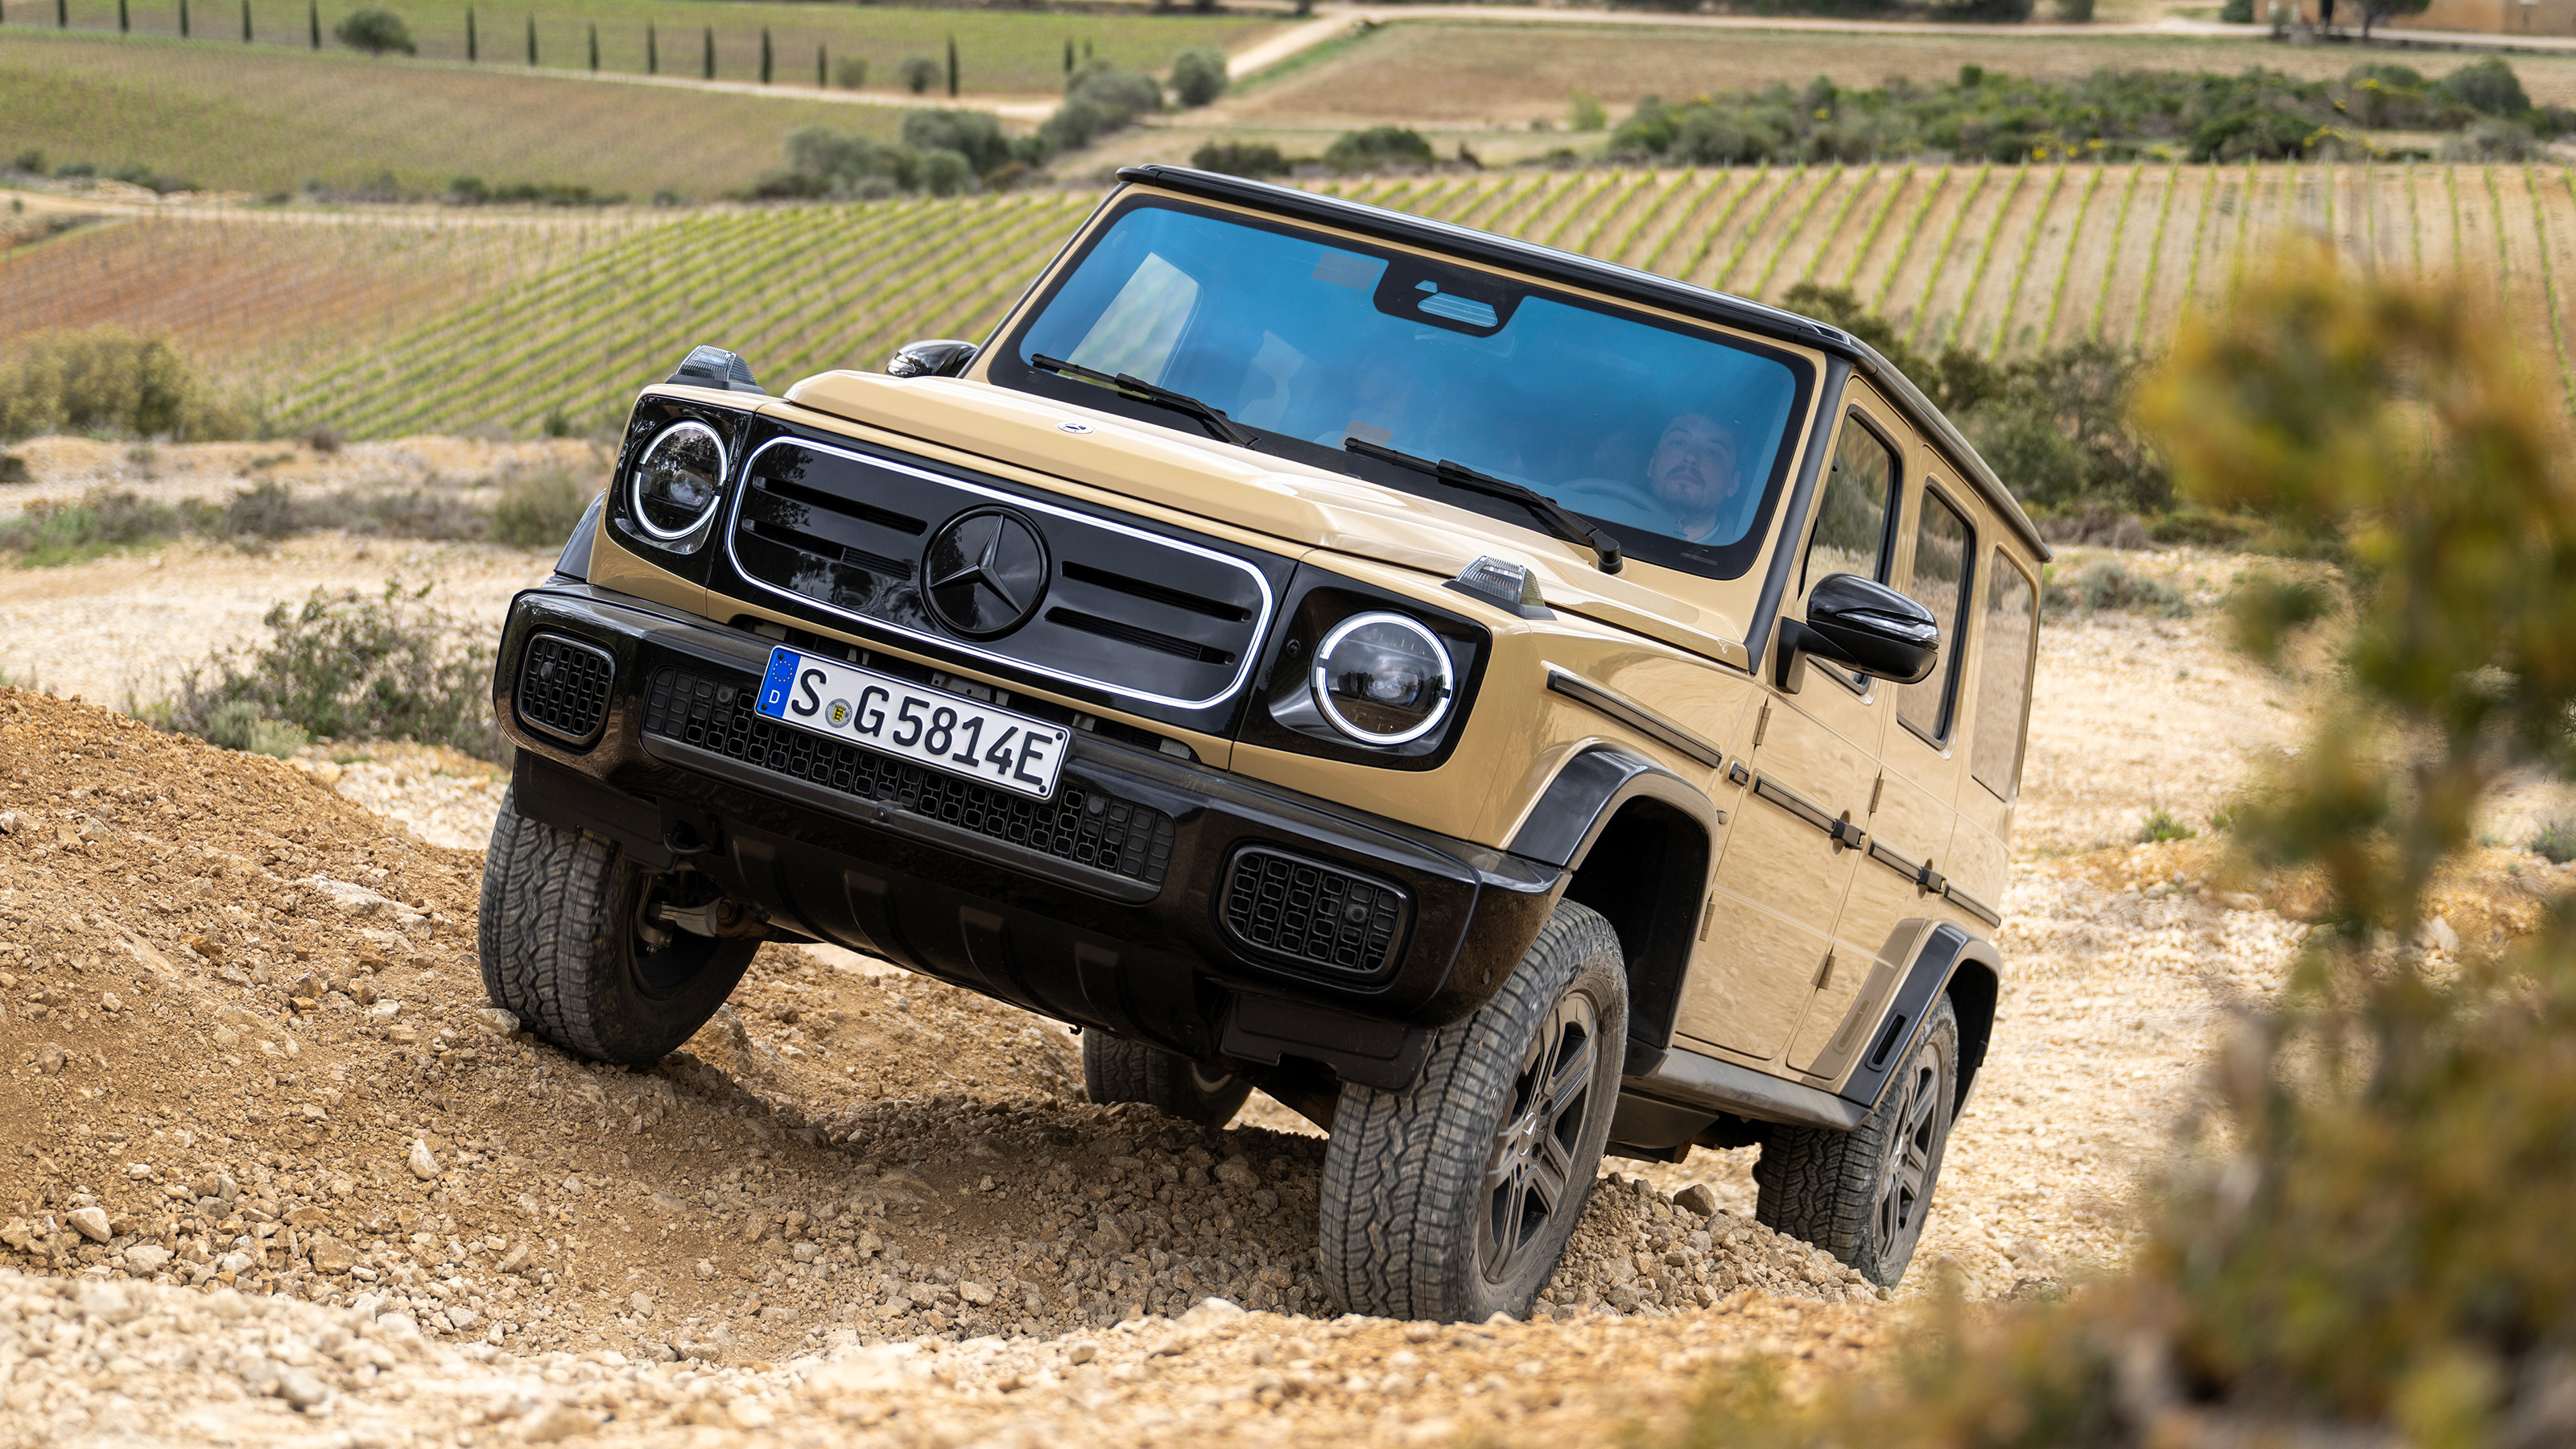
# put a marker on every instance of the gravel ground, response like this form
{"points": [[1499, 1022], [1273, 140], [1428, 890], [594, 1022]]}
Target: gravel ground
{"points": [[245, 1044]]}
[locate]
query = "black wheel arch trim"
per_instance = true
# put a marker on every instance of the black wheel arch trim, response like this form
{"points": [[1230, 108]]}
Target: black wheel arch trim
{"points": [[1950, 962], [1651, 893]]}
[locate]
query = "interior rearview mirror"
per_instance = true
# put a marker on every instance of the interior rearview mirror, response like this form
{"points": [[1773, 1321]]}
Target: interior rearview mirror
{"points": [[1865, 627]]}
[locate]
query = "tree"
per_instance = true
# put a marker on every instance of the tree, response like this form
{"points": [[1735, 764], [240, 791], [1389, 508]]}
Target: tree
{"points": [[952, 65], [919, 73], [594, 47], [710, 65], [470, 46], [1198, 76], [2374, 11], [375, 30], [764, 55]]}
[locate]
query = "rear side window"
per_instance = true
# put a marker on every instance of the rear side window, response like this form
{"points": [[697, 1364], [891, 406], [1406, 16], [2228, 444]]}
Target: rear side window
{"points": [[2003, 678], [1851, 519], [1944, 551]]}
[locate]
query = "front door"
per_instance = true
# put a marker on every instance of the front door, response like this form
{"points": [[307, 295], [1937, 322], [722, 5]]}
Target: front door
{"points": [[1804, 775]]}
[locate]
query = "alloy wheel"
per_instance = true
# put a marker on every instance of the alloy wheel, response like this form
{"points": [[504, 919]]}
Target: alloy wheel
{"points": [[1529, 1174]]}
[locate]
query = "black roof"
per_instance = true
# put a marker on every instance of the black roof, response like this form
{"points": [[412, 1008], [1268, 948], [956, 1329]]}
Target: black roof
{"points": [[1618, 281]]}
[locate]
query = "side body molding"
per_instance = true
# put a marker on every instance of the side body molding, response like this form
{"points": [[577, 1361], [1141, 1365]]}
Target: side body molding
{"points": [[1586, 795]]}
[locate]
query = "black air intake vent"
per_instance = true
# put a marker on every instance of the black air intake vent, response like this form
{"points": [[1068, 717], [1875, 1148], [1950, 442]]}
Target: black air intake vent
{"points": [[1087, 827], [1115, 607], [1317, 914], [563, 687]]}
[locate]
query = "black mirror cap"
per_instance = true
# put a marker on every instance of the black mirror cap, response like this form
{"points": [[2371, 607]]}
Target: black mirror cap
{"points": [[713, 367], [932, 357], [1870, 628]]}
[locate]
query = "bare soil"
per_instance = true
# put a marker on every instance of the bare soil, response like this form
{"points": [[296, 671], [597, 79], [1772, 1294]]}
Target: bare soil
{"points": [[284, 1178]]}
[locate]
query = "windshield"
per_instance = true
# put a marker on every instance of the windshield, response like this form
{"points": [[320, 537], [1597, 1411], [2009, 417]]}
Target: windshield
{"points": [[1673, 439]]}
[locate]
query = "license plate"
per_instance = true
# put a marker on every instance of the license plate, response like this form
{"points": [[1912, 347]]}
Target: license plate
{"points": [[909, 722]]}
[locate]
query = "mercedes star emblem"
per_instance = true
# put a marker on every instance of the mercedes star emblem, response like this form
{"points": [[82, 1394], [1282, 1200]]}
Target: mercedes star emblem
{"points": [[986, 572]]}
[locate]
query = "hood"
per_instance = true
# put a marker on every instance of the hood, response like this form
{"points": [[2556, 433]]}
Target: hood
{"points": [[1293, 502]]}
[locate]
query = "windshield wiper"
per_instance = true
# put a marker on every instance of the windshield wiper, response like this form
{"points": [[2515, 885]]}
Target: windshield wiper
{"points": [[1142, 391], [1458, 475]]}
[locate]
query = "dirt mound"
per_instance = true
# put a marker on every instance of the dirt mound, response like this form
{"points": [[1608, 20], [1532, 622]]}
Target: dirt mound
{"points": [[247, 1051]]}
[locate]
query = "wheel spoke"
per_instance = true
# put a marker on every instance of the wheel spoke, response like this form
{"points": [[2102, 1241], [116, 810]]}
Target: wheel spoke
{"points": [[1550, 1170], [1573, 1074]]}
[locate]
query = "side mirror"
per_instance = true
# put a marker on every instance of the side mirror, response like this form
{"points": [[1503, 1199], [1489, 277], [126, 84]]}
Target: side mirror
{"points": [[932, 357], [1863, 626]]}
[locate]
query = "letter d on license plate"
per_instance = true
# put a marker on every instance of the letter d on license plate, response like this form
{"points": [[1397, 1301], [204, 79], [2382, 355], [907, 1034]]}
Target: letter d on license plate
{"points": [[920, 725]]}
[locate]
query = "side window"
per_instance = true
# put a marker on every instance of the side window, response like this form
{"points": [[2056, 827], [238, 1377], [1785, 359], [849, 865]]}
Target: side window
{"points": [[1944, 551], [1851, 519], [2003, 678]]}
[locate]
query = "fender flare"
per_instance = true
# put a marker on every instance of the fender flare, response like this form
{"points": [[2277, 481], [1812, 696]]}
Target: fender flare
{"points": [[1949, 961], [1658, 918]]}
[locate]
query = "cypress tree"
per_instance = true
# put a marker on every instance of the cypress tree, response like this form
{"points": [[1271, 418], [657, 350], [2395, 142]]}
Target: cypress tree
{"points": [[313, 22], [183, 19], [594, 47], [1086, 50], [532, 40], [245, 22], [764, 55], [472, 46], [711, 53], [124, 22], [1068, 57], [63, 14], [952, 65], [652, 52]]}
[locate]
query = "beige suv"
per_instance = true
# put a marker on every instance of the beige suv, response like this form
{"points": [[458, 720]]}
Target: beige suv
{"points": [[1506, 707]]}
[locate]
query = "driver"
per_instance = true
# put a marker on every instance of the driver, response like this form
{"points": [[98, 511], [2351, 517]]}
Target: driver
{"points": [[1692, 474]]}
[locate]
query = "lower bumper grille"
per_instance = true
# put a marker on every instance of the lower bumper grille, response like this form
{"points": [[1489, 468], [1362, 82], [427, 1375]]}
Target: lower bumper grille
{"points": [[1087, 827], [563, 687], [1315, 913]]}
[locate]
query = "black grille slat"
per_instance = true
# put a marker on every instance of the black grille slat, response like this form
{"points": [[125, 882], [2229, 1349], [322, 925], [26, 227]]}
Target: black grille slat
{"points": [[563, 687], [1087, 827], [1126, 609], [1315, 913]]}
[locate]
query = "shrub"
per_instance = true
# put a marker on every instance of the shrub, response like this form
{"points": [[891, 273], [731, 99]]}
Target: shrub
{"points": [[942, 172], [1240, 158], [2104, 584], [263, 510], [918, 73], [1376, 147], [324, 439], [2492, 139], [2076, 12], [1098, 98], [100, 521], [2237, 12], [2556, 842], [106, 380], [350, 666], [975, 135], [13, 469], [850, 72], [1198, 76], [538, 510], [376, 31], [2161, 825], [2488, 87], [1584, 111], [240, 726]]}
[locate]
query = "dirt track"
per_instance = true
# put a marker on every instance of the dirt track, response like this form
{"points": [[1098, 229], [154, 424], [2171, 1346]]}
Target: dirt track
{"points": [[233, 1003]]}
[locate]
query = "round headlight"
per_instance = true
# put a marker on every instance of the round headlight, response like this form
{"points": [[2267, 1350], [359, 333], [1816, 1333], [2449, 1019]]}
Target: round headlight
{"points": [[678, 480], [1382, 679]]}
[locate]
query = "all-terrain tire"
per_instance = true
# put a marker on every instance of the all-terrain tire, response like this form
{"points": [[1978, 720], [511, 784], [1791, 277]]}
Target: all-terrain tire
{"points": [[560, 944], [1863, 1195], [1117, 1070], [1435, 1200]]}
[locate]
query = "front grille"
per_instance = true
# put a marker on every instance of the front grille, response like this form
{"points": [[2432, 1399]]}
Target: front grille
{"points": [[563, 687], [1315, 913], [1087, 827], [1118, 608]]}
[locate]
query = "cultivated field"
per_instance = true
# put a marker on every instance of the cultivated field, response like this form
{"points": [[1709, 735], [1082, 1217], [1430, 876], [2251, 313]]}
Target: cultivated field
{"points": [[998, 51], [262, 120], [498, 323], [1424, 73]]}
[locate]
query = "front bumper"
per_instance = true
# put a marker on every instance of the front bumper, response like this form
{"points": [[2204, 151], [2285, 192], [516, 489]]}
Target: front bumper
{"points": [[1105, 908]]}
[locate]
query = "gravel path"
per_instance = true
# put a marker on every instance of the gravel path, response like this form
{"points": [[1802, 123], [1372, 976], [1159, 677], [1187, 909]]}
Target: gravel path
{"points": [[337, 1200]]}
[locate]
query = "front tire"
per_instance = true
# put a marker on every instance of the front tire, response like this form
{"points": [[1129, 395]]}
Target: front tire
{"points": [[1117, 1070], [566, 947], [1864, 1195], [1453, 1200]]}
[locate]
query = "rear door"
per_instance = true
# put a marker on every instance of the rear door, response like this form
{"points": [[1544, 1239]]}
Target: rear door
{"points": [[1804, 775], [1911, 814]]}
